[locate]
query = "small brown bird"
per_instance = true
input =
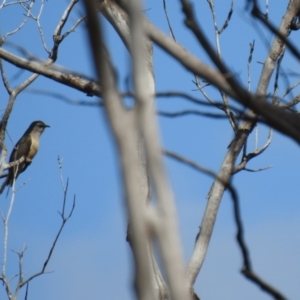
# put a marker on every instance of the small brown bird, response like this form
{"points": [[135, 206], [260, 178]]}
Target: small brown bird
{"points": [[27, 146]]}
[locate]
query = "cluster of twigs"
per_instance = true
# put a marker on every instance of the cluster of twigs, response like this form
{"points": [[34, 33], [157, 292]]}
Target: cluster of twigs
{"points": [[136, 131], [12, 293]]}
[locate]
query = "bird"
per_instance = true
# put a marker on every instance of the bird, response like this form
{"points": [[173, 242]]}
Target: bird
{"points": [[26, 147]]}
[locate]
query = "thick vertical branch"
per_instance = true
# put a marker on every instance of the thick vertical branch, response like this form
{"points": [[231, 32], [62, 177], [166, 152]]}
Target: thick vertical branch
{"points": [[166, 227], [120, 21], [218, 188], [123, 126]]}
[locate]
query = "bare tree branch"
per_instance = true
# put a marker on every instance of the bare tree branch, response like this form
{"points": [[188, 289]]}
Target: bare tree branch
{"points": [[226, 23], [62, 76], [4, 78], [249, 64], [123, 126], [28, 9], [167, 229], [240, 139], [277, 118], [168, 20], [65, 217], [247, 268]]}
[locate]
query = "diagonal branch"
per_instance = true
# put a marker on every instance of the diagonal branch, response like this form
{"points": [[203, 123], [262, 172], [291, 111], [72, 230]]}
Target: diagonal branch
{"points": [[89, 87], [258, 105], [65, 219]]}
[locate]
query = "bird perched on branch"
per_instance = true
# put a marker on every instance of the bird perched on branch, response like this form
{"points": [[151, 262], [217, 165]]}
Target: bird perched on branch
{"points": [[26, 147]]}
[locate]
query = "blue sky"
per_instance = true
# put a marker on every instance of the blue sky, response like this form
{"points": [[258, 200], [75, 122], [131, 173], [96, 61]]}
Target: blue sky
{"points": [[92, 259]]}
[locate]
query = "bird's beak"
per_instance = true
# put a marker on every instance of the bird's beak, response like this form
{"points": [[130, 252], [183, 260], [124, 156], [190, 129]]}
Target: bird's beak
{"points": [[46, 125]]}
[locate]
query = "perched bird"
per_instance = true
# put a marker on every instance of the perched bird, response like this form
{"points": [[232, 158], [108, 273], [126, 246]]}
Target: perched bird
{"points": [[27, 146]]}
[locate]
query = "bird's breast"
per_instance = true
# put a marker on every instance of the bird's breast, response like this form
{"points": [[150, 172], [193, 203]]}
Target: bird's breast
{"points": [[33, 148]]}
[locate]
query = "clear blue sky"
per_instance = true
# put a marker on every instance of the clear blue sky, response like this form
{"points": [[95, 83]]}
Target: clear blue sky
{"points": [[92, 259]]}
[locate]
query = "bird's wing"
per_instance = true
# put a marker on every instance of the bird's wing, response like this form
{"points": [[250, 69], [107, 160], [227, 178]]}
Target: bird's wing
{"points": [[22, 148]]}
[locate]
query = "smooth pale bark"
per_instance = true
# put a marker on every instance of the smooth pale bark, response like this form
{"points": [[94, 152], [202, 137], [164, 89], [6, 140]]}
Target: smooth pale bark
{"points": [[218, 187]]}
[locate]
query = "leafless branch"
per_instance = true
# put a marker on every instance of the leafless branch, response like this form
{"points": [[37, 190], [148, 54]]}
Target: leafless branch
{"points": [[259, 169], [240, 139], [226, 23], [15, 163], [291, 103], [247, 268], [4, 78], [28, 9], [117, 18], [57, 37], [249, 64], [291, 9], [217, 33], [21, 258], [21, 281], [276, 117], [191, 163], [4, 3], [288, 90], [168, 20], [65, 217], [75, 25], [189, 98], [230, 116], [31, 78], [276, 84], [119, 120], [37, 19], [198, 84], [6, 219], [247, 157], [170, 247], [189, 112], [66, 99], [58, 74], [26, 293]]}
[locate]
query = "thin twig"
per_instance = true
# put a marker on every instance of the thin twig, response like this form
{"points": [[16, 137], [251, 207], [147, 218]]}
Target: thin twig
{"points": [[6, 221], [169, 23], [249, 64], [192, 99], [4, 4], [229, 114], [3, 39], [259, 169], [276, 84], [4, 78], [74, 26], [37, 19], [66, 99], [57, 37], [291, 103], [189, 112], [247, 157], [21, 257], [260, 16], [65, 218], [197, 82], [226, 23], [247, 267], [288, 90], [26, 293]]}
